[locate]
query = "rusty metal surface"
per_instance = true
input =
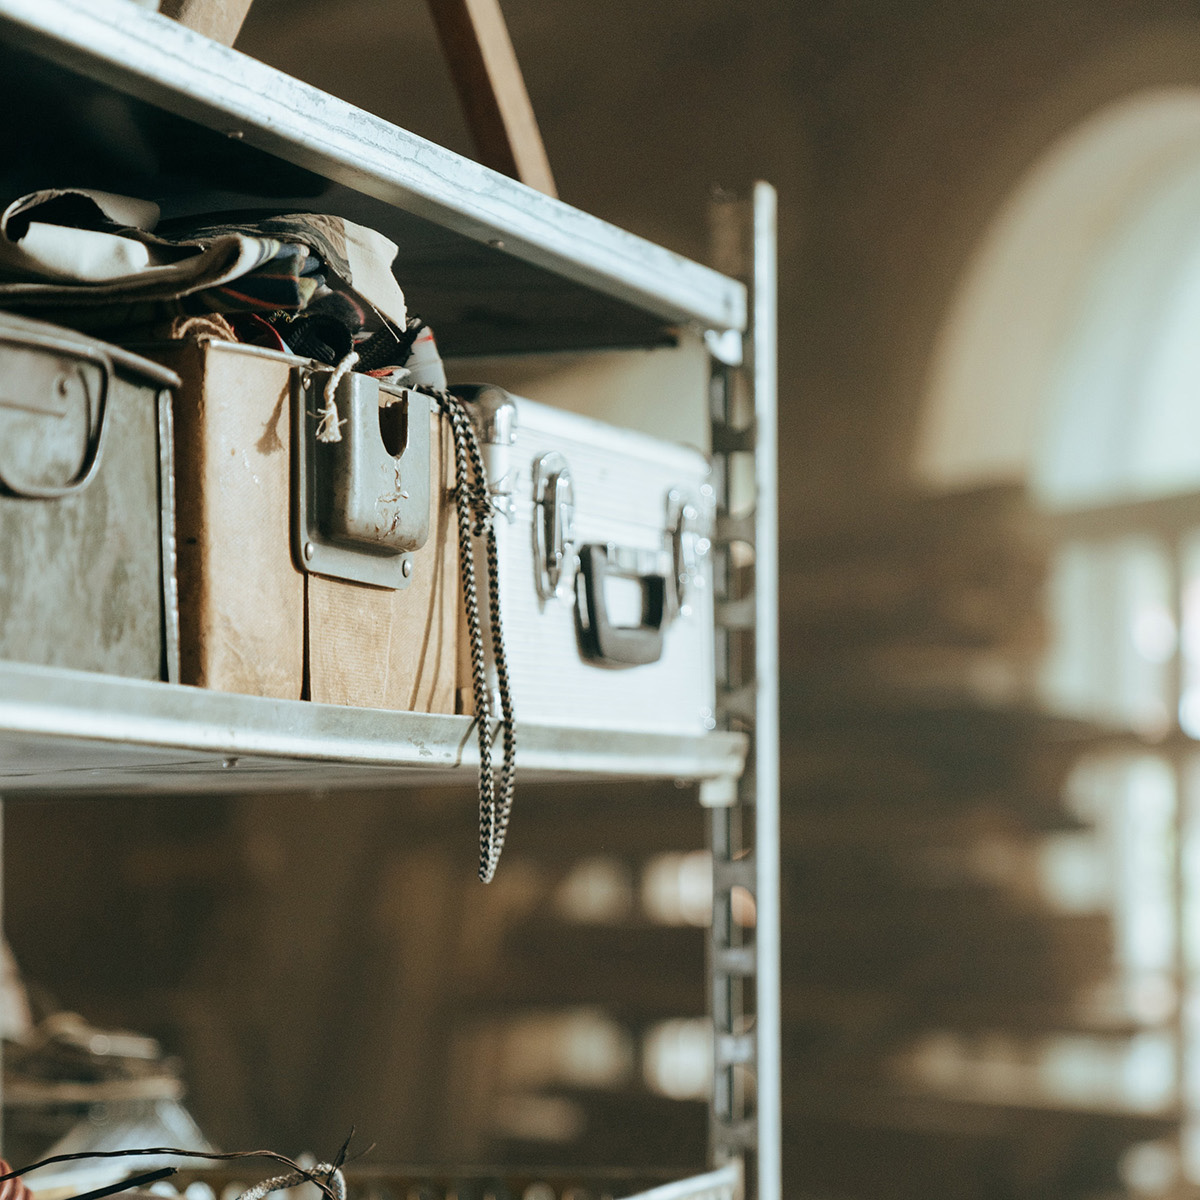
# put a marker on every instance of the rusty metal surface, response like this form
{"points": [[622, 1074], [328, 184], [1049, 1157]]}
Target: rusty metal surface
{"points": [[81, 574]]}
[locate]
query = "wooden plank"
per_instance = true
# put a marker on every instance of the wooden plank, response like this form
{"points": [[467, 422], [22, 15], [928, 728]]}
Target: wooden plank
{"points": [[220, 20], [491, 89]]}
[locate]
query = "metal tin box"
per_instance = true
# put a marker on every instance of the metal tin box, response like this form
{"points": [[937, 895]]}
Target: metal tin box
{"points": [[86, 528]]}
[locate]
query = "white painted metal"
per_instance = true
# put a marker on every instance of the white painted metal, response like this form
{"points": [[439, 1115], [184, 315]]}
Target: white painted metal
{"points": [[158, 60], [745, 833], [764, 375], [724, 1184]]}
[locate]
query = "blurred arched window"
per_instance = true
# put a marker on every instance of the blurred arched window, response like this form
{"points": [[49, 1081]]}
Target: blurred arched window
{"points": [[1070, 362]]}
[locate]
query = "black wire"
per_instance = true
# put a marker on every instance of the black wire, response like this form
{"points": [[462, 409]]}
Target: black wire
{"points": [[127, 1185], [272, 1155]]}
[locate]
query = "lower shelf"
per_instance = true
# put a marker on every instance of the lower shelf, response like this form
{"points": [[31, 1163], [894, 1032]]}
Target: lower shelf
{"points": [[70, 731], [725, 1183]]}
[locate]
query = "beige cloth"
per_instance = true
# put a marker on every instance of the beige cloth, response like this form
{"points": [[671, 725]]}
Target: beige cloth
{"points": [[75, 248]]}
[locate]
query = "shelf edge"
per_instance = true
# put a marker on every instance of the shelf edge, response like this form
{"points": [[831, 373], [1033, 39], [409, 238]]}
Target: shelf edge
{"points": [[162, 62]]}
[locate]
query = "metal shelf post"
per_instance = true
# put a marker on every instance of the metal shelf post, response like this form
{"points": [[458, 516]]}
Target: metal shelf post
{"points": [[746, 1120]]}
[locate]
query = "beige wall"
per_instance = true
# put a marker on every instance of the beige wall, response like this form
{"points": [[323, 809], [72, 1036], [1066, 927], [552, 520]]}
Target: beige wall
{"points": [[893, 131]]}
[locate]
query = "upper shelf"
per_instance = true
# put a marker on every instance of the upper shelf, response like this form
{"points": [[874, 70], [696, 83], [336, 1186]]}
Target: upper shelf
{"points": [[103, 93], [70, 731]]}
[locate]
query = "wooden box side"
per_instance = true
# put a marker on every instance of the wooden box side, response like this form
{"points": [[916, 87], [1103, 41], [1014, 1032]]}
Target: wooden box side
{"points": [[377, 648], [241, 599]]}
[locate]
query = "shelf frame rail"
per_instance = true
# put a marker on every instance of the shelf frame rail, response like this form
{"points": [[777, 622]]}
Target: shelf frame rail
{"points": [[157, 60], [744, 954]]}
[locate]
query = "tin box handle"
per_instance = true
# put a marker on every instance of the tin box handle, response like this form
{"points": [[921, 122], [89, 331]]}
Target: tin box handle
{"points": [[65, 348]]}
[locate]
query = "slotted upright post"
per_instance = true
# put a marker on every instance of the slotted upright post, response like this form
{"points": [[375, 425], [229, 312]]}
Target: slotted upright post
{"points": [[744, 972]]}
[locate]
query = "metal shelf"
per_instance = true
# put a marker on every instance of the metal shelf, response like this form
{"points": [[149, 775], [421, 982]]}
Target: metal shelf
{"points": [[476, 1183], [493, 265], [72, 731]]}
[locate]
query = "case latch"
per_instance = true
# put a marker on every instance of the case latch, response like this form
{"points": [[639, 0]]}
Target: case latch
{"points": [[553, 527], [494, 414], [688, 530]]}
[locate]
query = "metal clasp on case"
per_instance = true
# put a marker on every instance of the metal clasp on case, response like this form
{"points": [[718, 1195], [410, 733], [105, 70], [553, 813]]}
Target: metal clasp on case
{"points": [[494, 413], [689, 524], [553, 527], [362, 503]]}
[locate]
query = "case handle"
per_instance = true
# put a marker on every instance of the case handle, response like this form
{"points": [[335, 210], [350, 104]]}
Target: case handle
{"points": [[64, 348], [618, 645]]}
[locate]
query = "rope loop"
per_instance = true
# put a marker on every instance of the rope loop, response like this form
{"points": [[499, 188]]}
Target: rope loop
{"points": [[329, 428]]}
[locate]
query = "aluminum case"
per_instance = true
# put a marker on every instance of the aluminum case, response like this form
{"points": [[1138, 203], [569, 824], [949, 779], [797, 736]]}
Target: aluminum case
{"points": [[605, 577]]}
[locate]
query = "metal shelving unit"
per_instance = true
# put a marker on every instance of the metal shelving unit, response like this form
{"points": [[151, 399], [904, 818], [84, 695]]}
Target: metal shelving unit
{"points": [[499, 269]]}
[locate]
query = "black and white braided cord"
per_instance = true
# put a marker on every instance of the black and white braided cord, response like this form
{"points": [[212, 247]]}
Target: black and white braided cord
{"points": [[476, 519]]}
